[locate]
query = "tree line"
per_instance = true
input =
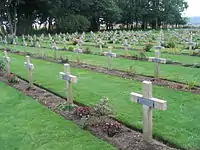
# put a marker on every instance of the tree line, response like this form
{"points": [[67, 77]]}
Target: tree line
{"points": [[20, 16]]}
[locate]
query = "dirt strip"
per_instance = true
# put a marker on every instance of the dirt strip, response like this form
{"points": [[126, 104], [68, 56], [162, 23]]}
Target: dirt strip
{"points": [[127, 139], [123, 74]]}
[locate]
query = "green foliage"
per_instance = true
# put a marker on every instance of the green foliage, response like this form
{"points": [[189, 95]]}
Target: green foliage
{"points": [[131, 71], [170, 44], [87, 51], [70, 49], [2, 64], [148, 46], [102, 108], [12, 78], [74, 23], [191, 85]]}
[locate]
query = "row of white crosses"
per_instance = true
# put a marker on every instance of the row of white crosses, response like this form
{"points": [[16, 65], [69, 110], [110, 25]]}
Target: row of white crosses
{"points": [[28, 65], [149, 103]]}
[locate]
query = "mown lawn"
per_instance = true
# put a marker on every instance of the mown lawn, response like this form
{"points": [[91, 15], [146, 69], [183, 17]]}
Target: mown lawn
{"points": [[171, 72], [27, 125], [179, 124]]}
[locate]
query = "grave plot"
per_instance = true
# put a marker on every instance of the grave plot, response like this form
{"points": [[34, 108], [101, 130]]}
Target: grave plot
{"points": [[26, 124], [185, 112], [170, 72]]}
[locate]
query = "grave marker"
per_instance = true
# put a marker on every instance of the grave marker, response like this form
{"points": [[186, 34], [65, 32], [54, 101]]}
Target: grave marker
{"points": [[7, 61], [69, 80], [157, 60], [29, 67], [110, 56], [78, 50], [55, 48], [149, 103], [126, 45]]}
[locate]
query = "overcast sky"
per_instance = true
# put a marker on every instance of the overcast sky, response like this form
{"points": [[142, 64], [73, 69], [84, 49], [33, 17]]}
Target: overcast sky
{"points": [[194, 8]]}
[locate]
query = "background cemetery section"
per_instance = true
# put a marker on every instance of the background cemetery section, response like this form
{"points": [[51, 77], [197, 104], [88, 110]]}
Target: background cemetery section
{"points": [[177, 73]]}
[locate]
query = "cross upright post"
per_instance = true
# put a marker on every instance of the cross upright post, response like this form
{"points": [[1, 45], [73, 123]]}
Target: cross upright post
{"points": [[7, 60], [69, 80], [29, 67], [110, 56]]}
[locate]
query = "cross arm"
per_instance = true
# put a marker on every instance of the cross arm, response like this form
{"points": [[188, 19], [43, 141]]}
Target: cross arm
{"points": [[152, 102], [68, 77], [158, 60], [29, 65]]}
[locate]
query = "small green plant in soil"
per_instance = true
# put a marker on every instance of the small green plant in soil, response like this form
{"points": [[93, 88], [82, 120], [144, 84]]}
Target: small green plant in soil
{"points": [[148, 46], [12, 78]]}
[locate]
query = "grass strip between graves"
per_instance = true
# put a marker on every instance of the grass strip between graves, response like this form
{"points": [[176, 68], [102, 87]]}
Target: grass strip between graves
{"points": [[170, 72], [27, 125], [179, 124]]}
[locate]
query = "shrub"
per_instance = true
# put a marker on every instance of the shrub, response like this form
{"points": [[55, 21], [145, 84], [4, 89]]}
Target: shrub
{"points": [[148, 46], [112, 128], [191, 85], [102, 108], [170, 44], [131, 71], [87, 51], [12, 78], [2, 64], [64, 60], [197, 65], [70, 49], [82, 112]]}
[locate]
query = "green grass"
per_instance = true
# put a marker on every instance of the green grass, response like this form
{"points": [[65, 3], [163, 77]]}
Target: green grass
{"points": [[179, 124], [171, 72], [27, 125]]}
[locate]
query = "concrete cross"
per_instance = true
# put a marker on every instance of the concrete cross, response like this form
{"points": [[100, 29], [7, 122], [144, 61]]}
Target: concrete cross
{"points": [[149, 103], [29, 67], [55, 48], [78, 50], [7, 61], [110, 56], [100, 43], [157, 60], [126, 45], [69, 80], [191, 43]]}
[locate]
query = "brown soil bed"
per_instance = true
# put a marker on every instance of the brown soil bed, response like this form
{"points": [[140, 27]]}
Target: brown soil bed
{"points": [[126, 139]]}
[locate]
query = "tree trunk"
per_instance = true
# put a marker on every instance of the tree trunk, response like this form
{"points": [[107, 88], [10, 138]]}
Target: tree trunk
{"points": [[10, 20]]}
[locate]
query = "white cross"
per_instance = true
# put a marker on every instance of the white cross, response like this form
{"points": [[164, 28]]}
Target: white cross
{"points": [[7, 60], [100, 43], [78, 50], [69, 79], [157, 60], [148, 103], [126, 45], [110, 56], [29, 67], [191, 43], [55, 48]]}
